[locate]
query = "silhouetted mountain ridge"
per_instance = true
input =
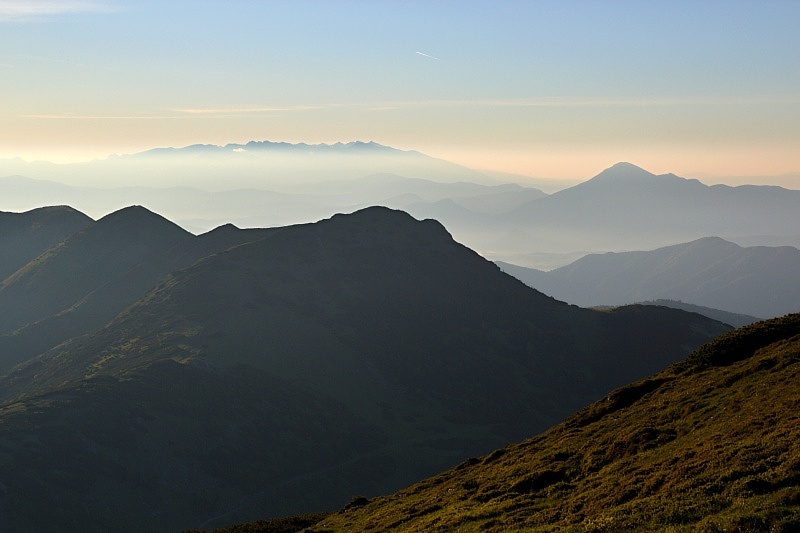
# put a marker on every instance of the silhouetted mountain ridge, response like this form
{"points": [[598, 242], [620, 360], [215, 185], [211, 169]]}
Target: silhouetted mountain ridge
{"points": [[23, 236], [81, 283], [736, 320], [290, 371], [628, 208], [275, 184]]}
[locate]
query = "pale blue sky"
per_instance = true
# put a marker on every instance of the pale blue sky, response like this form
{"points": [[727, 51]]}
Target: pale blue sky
{"points": [[547, 88]]}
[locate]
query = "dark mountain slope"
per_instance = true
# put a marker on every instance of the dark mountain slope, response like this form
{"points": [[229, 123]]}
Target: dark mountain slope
{"points": [[23, 236], [712, 272], [426, 352], [352, 283], [92, 258], [167, 444], [82, 283], [711, 444]]}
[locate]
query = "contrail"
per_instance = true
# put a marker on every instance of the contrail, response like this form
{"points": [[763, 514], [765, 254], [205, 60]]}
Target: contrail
{"points": [[430, 56]]}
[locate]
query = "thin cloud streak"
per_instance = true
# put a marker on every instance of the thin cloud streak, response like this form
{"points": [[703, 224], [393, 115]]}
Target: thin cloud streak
{"points": [[248, 110], [428, 56], [554, 102], [179, 113], [70, 116], [37, 10], [589, 102]]}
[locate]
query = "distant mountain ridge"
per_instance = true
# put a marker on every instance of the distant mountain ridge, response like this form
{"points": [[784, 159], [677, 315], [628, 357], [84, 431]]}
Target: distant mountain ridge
{"points": [[199, 210], [279, 166], [736, 320], [271, 146], [262, 183], [759, 281], [625, 206], [293, 368]]}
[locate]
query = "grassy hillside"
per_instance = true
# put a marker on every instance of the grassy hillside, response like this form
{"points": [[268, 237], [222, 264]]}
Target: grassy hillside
{"points": [[711, 444]]}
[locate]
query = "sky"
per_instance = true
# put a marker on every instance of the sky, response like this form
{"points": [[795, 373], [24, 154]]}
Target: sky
{"points": [[559, 89]]}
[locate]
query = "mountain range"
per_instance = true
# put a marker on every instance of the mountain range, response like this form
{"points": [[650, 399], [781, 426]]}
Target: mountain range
{"points": [[256, 164], [264, 184], [627, 208], [199, 210], [759, 281], [196, 381]]}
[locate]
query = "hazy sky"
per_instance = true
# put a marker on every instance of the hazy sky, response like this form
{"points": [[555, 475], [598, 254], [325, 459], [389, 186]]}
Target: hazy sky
{"points": [[544, 88]]}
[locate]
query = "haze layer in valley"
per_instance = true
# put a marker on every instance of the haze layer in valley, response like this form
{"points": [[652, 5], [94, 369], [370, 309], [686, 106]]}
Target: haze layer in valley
{"points": [[520, 221]]}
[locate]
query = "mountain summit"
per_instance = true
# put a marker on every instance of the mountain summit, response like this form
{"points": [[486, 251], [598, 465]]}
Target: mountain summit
{"points": [[625, 207], [617, 178], [622, 172]]}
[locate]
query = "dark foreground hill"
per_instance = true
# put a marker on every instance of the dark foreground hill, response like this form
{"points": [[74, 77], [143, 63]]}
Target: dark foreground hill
{"points": [[711, 444], [350, 356]]}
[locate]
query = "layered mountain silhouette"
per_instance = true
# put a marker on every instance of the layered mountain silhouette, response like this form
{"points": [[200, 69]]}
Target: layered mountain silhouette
{"points": [[199, 210], [627, 198], [709, 444], [256, 164], [736, 320], [277, 371], [84, 281], [23, 236], [261, 184], [760, 281], [627, 208]]}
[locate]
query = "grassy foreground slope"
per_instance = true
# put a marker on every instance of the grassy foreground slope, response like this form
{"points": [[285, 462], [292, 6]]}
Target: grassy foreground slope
{"points": [[710, 444]]}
